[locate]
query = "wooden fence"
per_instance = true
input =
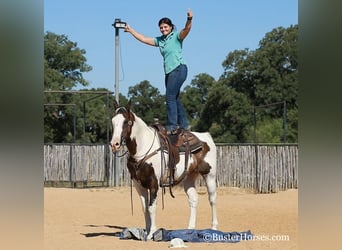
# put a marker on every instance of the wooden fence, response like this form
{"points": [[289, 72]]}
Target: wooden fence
{"points": [[263, 168]]}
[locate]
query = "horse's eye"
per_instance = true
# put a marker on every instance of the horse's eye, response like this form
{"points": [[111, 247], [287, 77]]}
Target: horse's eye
{"points": [[128, 122]]}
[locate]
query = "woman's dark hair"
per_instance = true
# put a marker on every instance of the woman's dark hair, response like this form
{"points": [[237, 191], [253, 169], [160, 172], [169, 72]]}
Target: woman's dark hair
{"points": [[167, 21]]}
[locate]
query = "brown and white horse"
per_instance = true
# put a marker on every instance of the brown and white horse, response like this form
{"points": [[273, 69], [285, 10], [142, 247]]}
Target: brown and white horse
{"points": [[146, 164]]}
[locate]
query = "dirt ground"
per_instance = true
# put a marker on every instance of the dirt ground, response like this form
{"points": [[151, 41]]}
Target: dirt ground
{"points": [[91, 218]]}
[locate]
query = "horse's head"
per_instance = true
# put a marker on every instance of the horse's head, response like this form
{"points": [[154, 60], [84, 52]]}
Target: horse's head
{"points": [[122, 123]]}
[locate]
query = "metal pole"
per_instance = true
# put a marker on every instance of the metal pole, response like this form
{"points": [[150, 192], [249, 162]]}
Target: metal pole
{"points": [[254, 123], [107, 119], [284, 122], [108, 151], [117, 63], [75, 124], [255, 152], [84, 121], [117, 162]]}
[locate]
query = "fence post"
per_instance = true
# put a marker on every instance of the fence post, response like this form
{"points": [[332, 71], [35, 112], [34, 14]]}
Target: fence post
{"points": [[257, 177]]}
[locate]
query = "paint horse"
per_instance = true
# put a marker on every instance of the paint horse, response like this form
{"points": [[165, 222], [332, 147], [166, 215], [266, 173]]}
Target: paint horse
{"points": [[147, 163]]}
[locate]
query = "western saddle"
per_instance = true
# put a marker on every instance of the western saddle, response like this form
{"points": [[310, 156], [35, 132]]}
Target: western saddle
{"points": [[181, 142]]}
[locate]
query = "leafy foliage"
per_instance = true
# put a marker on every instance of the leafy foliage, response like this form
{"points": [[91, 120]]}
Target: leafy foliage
{"points": [[147, 102], [225, 114], [265, 76], [195, 96], [64, 63]]}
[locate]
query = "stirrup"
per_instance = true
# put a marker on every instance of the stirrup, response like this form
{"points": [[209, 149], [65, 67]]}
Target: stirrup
{"points": [[162, 185], [173, 138]]}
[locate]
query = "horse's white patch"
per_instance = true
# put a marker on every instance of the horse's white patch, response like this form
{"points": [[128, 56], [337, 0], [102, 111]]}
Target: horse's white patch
{"points": [[117, 123]]}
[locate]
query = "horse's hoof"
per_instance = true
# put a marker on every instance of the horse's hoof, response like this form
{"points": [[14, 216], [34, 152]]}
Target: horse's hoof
{"points": [[149, 237]]}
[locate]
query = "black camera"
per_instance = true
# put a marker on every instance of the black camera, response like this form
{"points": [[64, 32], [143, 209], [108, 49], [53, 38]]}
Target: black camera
{"points": [[118, 24]]}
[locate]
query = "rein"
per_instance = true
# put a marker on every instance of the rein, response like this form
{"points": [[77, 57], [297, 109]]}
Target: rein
{"points": [[137, 162], [119, 156], [146, 155], [143, 155]]}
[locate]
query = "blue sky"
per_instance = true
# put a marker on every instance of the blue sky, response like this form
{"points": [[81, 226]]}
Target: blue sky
{"points": [[219, 27]]}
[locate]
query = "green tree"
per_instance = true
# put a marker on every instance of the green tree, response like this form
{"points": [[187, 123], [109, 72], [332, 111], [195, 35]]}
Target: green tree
{"points": [[64, 64], [265, 76], [195, 95], [226, 114], [147, 102], [267, 131], [270, 73], [97, 112]]}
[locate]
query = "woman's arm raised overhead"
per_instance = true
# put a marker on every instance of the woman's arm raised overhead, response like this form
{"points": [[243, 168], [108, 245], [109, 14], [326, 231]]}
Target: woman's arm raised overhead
{"points": [[140, 37]]}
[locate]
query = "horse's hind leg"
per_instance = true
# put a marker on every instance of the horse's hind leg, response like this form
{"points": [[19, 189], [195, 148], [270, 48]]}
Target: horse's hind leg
{"points": [[190, 190], [210, 180]]}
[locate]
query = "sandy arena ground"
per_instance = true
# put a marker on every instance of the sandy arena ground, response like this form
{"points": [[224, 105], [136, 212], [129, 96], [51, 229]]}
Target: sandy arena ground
{"points": [[91, 218]]}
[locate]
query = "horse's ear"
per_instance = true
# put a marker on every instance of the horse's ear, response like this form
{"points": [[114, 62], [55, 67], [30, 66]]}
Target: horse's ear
{"points": [[116, 105], [128, 105]]}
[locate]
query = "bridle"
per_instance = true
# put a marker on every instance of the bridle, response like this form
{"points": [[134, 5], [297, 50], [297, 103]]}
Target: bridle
{"points": [[126, 126], [125, 139]]}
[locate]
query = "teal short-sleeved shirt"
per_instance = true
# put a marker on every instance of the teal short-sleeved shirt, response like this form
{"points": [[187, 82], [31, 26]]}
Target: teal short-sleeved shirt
{"points": [[170, 48]]}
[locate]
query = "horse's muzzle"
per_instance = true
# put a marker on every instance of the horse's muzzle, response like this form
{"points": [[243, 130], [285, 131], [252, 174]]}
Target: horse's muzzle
{"points": [[116, 146]]}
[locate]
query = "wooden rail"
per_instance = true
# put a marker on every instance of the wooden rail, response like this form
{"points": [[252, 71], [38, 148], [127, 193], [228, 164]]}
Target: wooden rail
{"points": [[262, 168]]}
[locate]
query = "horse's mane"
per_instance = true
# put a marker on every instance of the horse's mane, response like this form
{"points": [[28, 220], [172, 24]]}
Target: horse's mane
{"points": [[137, 118]]}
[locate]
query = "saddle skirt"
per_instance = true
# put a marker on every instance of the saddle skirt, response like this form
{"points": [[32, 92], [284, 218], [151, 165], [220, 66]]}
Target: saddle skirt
{"points": [[183, 142]]}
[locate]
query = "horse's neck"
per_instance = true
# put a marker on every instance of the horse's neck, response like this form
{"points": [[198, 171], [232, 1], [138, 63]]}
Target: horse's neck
{"points": [[145, 137]]}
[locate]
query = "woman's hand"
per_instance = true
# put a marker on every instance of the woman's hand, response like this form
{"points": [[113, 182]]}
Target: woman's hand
{"points": [[128, 28], [189, 13], [185, 31]]}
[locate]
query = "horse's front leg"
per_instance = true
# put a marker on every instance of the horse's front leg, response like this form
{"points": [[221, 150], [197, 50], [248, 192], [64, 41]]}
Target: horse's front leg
{"points": [[190, 190], [152, 206], [152, 219], [144, 199]]}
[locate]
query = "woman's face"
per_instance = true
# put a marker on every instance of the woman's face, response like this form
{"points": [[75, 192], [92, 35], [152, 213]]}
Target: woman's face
{"points": [[165, 29]]}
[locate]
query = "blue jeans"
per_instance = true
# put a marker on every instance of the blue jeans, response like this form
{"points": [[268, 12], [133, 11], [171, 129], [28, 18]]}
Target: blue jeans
{"points": [[176, 116]]}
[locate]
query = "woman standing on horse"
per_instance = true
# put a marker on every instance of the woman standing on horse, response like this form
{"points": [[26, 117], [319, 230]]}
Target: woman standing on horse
{"points": [[170, 46]]}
